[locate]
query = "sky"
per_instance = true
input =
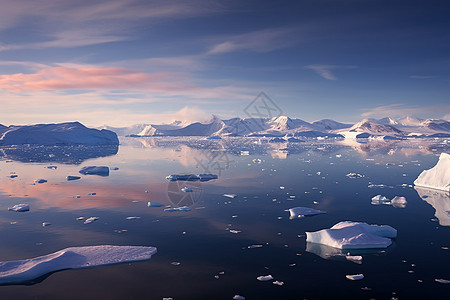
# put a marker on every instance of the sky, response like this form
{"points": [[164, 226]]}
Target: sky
{"points": [[123, 62]]}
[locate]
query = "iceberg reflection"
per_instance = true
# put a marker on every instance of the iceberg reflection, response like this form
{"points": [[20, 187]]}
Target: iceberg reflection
{"points": [[440, 200]]}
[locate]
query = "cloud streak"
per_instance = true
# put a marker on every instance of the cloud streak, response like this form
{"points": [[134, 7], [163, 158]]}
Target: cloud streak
{"points": [[325, 70], [402, 110]]}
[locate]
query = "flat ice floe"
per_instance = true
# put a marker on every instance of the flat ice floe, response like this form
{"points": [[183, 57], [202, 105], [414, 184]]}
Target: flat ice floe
{"points": [[437, 177], [13, 272], [354, 235], [94, 170], [298, 212], [19, 208]]}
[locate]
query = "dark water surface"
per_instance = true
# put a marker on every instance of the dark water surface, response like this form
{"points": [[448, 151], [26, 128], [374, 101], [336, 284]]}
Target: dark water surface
{"points": [[213, 262]]}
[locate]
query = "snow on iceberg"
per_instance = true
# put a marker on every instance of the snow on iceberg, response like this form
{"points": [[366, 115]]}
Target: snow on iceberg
{"points": [[354, 235], [72, 133], [437, 177], [94, 170], [19, 271], [298, 212], [19, 208]]}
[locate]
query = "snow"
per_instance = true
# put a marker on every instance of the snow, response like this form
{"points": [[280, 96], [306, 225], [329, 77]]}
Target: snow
{"points": [[94, 170], [354, 235], [72, 133], [437, 177], [19, 208], [13, 272], [298, 212]]}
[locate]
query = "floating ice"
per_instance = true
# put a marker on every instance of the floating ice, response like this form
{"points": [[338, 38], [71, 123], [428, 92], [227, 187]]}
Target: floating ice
{"points": [[280, 283], [70, 177], [444, 281], [20, 208], [52, 167], [94, 170], [238, 297], [191, 177], [90, 220], [45, 224], [40, 180], [92, 194], [265, 277], [182, 208], [380, 199], [354, 235], [355, 277], [298, 212], [13, 272], [13, 176], [437, 177], [354, 258], [232, 196], [154, 204], [235, 231], [354, 175], [399, 202], [133, 218], [187, 190]]}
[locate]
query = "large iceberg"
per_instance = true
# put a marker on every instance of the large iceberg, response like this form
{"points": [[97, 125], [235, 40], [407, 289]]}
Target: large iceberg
{"points": [[72, 133], [438, 177], [21, 271], [354, 235]]}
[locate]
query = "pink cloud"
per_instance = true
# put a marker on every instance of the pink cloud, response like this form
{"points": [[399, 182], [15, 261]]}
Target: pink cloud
{"points": [[91, 78]]}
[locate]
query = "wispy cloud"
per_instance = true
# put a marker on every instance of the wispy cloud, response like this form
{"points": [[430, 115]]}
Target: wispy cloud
{"points": [[325, 70], [421, 76], [402, 110], [258, 41]]}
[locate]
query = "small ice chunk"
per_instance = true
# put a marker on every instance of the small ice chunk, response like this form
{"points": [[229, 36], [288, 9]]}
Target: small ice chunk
{"points": [[298, 212], [114, 168], [238, 297], [437, 177], [187, 189], [354, 277], [19, 208], [277, 282], [45, 224], [80, 218], [90, 220], [255, 246], [20, 271], [182, 208], [76, 196], [354, 175], [70, 177], [354, 258], [175, 263], [354, 235], [154, 204], [234, 231], [40, 180], [92, 194], [380, 199], [232, 196], [52, 167], [133, 218], [282, 187], [13, 176], [444, 281], [265, 277], [399, 202], [94, 170]]}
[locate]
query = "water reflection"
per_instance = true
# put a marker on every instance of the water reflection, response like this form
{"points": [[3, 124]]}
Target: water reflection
{"points": [[56, 154], [440, 200], [331, 253]]}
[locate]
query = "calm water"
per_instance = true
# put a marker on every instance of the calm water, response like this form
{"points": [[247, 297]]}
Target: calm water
{"points": [[213, 262]]}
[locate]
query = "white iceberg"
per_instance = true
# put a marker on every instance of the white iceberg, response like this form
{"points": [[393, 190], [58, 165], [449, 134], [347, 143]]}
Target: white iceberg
{"points": [[20, 208], [232, 196], [90, 220], [298, 212], [94, 170], [437, 177], [13, 272], [399, 202], [354, 235], [380, 199]]}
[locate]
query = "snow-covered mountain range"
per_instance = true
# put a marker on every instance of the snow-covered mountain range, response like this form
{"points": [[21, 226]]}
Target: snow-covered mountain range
{"points": [[283, 125]]}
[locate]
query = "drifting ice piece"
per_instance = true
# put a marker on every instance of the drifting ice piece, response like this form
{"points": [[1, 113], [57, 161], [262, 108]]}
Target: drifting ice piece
{"points": [[94, 170], [380, 199], [182, 208], [298, 212], [265, 277], [354, 235], [71, 258], [191, 177], [154, 204], [187, 189], [40, 180], [355, 277], [232, 196], [399, 202], [20, 208], [70, 177], [437, 177]]}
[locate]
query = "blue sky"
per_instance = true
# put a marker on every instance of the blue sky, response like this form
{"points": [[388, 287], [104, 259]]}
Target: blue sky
{"points": [[121, 62]]}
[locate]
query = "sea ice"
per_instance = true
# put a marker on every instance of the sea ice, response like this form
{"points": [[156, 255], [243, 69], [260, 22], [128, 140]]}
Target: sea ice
{"points": [[13, 272], [40, 180], [70, 177], [238, 297], [94, 170], [90, 220], [354, 175], [298, 212], [354, 235], [265, 277], [355, 277], [437, 177], [232, 196], [444, 281], [182, 208], [380, 199], [20, 208], [191, 177], [187, 190], [45, 224], [154, 204], [399, 202]]}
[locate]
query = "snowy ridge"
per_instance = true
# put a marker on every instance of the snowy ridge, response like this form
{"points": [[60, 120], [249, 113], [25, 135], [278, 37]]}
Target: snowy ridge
{"points": [[71, 258]]}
